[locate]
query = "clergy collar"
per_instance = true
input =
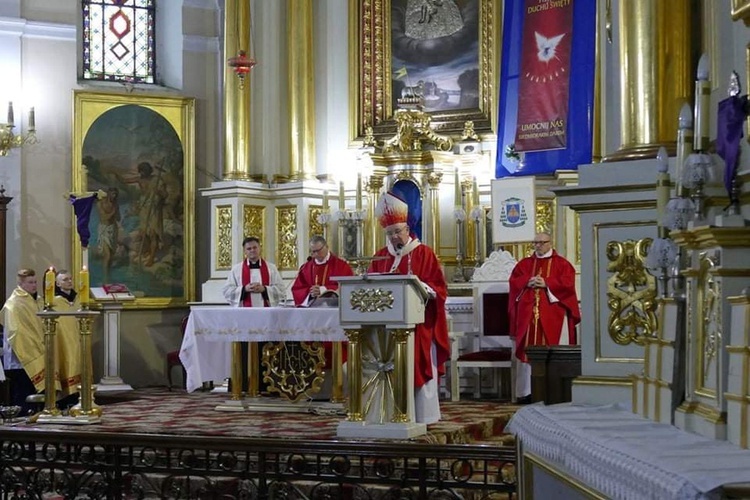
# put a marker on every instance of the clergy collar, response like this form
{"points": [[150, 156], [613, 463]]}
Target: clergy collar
{"points": [[410, 245], [545, 256], [253, 265], [321, 262]]}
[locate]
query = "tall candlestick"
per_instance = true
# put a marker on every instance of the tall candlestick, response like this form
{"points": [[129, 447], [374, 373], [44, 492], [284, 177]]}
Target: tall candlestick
{"points": [[662, 190], [458, 196], [702, 105], [342, 196], [83, 287], [325, 200], [359, 191], [10, 114], [684, 145], [32, 120], [49, 287]]}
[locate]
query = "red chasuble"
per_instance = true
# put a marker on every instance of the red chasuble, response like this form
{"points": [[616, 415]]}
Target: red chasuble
{"points": [[534, 320], [311, 274], [425, 265]]}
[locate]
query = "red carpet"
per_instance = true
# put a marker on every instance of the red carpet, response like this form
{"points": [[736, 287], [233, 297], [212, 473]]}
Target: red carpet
{"points": [[158, 411]]}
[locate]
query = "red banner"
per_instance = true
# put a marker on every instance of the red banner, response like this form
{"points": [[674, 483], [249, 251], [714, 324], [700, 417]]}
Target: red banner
{"points": [[543, 85]]}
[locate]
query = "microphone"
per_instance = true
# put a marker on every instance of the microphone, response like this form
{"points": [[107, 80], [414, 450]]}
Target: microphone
{"points": [[400, 246], [309, 258]]}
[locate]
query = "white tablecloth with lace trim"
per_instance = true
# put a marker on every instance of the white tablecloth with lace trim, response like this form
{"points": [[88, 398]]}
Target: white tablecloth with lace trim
{"points": [[206, 347], [623, 455]]}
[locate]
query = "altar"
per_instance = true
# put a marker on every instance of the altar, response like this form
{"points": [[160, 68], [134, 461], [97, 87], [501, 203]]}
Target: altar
{"points": [[206, 351]]}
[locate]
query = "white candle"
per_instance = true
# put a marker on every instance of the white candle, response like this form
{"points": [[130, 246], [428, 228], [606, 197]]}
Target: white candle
{"points": [[10, 114], [475, 191], [458, 196], [359, 191], [325, 200], [32, 120], [684, 144], [702, 105], [662, 190], [342, 196]]}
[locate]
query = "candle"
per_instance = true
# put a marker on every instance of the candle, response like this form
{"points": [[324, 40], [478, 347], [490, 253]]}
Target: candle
{"points": [[684, 144], [662, 190], [342, 196], [359, 191], [83, 287], [32, 120], [49, 287], [10, 114], [475, 191], [458, 197], [325, 200], [702, 105]]}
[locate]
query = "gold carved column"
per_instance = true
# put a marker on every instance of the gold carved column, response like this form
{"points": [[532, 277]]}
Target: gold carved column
{"points": [[433, 180], [372, 228], [301, 90], [655, 75], [236, 92]]}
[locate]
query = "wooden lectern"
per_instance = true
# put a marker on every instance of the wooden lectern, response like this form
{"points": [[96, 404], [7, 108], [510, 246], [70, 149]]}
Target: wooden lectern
{"points": [[378, 313]]}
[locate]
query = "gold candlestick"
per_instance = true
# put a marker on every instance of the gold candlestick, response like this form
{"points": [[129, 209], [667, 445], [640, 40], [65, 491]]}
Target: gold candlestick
{"points": [[86, 408]]}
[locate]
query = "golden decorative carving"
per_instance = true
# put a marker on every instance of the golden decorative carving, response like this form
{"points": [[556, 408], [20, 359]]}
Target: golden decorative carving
{"points": [[545, 216], [434, 179], [293, 369], [413, 129], [316, 228], [252, 220], [223, 249], [631, 292], [708, 314], [469, 134], [286, 238], [371, 300]]}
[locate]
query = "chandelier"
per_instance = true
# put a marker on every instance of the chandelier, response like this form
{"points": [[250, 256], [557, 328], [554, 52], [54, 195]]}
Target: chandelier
{"points": [[244, 61], [9, 140]]}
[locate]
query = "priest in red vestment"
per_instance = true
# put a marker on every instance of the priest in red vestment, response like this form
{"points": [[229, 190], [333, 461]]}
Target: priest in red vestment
{"points": [[405, 254], [543, 306], [315, 277]]}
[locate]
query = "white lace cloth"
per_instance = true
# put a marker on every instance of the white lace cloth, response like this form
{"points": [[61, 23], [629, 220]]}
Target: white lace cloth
{"points": [[623, 455], [206, 347]]}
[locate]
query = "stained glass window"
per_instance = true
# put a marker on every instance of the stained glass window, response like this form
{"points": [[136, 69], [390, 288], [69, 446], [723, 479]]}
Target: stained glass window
{"points": [[118, 40]]}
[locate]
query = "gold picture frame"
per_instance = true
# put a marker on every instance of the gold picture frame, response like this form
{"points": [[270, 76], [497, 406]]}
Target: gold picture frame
{"points": [[371, 84], [741, 10], [140, 150]]}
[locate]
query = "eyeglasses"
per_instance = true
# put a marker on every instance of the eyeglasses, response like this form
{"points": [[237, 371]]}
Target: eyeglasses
{"points": [[540, 242], [317, 250], [395, 232]]}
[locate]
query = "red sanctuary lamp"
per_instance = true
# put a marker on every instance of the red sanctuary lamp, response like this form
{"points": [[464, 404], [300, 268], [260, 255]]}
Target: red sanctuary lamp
{"points": [[241, 64]]}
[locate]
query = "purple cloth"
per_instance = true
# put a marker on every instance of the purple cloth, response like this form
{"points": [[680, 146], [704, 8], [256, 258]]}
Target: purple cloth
{"points": [[82, 208], [732, 114]]}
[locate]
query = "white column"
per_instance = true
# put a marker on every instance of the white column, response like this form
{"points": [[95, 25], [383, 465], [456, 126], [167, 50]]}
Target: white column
{"points": [[111, 381]]}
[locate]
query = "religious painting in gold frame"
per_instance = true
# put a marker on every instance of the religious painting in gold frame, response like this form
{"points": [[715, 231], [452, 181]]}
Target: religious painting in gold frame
{"points": [[741, 10], [140, 150], [390, 53]]}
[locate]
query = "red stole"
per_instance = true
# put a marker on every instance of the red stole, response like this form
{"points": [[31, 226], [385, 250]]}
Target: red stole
{"points": [[319, 273], [247, 301]]}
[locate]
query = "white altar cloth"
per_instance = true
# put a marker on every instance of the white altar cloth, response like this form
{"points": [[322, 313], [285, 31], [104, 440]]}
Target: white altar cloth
{"points": [[623, 455], [206, 351]]}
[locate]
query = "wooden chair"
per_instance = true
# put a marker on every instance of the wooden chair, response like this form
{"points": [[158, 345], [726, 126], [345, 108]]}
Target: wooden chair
{"points": [[173, 357]]}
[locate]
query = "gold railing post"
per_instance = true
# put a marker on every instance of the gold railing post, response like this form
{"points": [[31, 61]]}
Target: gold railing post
{"points": [[86, 406], [236, 371], [401, 369], [50, 327], [337, 394], [253, 370], [354, 414]]}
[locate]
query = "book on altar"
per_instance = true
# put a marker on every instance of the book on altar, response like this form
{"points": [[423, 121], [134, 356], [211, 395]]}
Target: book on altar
{"points": [[112, 292]]}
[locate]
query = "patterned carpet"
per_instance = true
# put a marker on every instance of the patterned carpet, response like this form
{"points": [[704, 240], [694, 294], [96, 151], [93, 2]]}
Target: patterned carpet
{"points": [[158, 411]]}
